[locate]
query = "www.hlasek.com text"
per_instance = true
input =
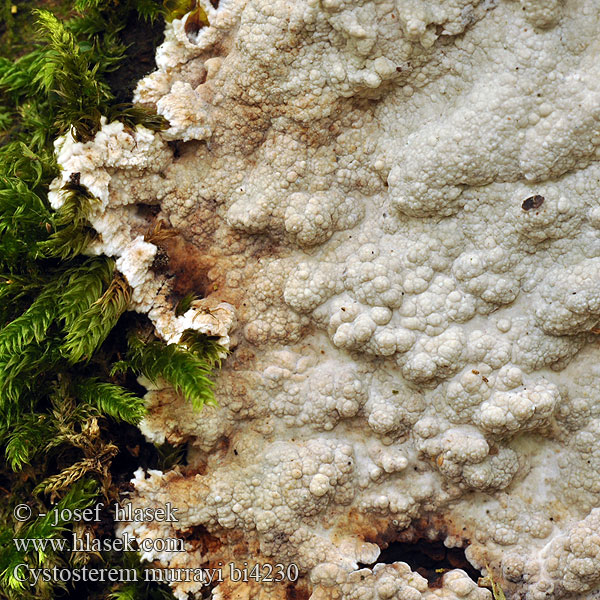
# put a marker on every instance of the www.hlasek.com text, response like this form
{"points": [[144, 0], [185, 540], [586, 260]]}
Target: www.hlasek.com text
{"points": [[89, 543]]}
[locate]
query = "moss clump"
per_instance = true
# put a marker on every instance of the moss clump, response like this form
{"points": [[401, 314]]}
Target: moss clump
{"points": [[67, 385]]}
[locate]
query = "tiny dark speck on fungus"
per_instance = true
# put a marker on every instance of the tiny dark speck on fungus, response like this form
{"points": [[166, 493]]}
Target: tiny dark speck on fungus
{"points": [[532, 202]]}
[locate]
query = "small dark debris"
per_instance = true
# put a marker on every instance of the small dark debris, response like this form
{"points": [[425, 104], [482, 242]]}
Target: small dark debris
{"points": [[214, 3], [161, 260], [74, 185], [532, 202]]}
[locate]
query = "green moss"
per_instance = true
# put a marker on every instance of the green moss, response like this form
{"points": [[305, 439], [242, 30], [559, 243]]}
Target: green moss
{"points": [[66, 362]]}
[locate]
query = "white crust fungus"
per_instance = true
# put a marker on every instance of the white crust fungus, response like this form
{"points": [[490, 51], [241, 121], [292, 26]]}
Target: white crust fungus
{"points": [[398, 202]]}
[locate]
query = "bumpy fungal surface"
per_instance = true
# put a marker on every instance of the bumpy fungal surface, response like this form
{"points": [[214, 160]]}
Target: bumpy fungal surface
{"points": [[391, 211]]}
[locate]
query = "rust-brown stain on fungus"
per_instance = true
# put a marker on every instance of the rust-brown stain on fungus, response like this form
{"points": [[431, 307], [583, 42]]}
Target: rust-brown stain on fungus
{"points": [[199, 538], [296, 591], [190, 268]]}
